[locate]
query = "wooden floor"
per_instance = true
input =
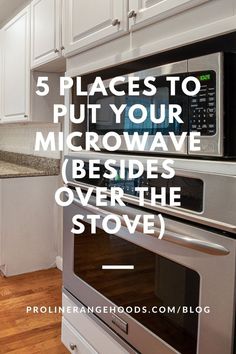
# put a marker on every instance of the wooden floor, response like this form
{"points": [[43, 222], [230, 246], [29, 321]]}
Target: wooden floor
{"points": [[22, 333]]}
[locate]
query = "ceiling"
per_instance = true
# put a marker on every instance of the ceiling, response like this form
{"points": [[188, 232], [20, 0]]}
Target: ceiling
{"points": [[8, 8]]}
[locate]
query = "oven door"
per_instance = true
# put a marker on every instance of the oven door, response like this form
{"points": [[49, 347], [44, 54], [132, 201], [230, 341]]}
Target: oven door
{"points": [[179, 295], [106, 118]]}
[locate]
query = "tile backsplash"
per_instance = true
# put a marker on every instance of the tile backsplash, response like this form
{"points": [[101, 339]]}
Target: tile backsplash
{"points": [[21, 138]]}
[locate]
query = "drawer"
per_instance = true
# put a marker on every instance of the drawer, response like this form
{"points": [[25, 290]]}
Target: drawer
{"points": [[73, 341], [92, 332]]}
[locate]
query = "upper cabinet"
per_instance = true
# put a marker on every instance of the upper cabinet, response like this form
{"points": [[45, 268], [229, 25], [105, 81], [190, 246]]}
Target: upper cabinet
{"points": [[145, 12], [89, 23], [16, 68], [46, 36]]}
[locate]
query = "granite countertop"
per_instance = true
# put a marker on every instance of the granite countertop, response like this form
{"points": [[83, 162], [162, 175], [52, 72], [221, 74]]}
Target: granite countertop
{"points": [[14, 165]]}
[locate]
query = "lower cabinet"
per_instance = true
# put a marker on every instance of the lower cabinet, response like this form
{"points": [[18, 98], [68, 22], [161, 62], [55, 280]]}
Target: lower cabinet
{"points": [[81, 334], [74, 341], [29, 228]]}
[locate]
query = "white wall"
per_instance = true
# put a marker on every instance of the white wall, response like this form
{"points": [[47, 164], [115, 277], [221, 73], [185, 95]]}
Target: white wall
{"points": [[42, 106], [21, 138]]}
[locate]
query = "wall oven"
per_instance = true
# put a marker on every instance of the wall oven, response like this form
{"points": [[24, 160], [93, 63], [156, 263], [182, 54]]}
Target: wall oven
{"points": [[178, 294], [179, 291], [210, 112]]}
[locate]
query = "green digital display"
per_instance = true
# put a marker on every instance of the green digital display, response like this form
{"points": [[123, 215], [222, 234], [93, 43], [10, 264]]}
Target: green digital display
{"points": [[205, 77]]}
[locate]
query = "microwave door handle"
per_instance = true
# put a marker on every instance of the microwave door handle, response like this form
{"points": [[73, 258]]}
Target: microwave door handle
{"points": [[181, 240], [196, 244]]}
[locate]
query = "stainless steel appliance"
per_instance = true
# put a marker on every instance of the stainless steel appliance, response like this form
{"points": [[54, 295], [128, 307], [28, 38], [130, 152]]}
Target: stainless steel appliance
{"points": [[211, 112], [184, 284], [208, 188]]}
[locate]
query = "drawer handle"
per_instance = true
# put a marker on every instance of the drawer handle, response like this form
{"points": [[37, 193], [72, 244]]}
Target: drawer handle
{"points": [[73, 346]]}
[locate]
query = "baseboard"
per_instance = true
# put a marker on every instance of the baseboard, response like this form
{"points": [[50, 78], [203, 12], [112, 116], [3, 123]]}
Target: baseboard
{"points": [[59, 262]]}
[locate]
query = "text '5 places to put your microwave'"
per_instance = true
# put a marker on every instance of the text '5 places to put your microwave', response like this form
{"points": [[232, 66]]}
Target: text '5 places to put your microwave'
{"points": [[137, 114], [174, 110]]}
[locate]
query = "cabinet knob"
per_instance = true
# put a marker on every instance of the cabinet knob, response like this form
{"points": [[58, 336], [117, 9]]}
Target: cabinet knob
{"points": [[132, 14], [25, 116], [62, 47], [115, 22], [56, 51], [72, 346]]}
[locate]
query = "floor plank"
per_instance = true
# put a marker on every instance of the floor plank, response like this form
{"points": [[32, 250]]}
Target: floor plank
{"points": [[21, 332]]}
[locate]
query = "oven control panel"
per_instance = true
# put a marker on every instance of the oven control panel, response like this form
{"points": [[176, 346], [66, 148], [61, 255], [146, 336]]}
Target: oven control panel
{"points": [[191, 188], [202, 107]]}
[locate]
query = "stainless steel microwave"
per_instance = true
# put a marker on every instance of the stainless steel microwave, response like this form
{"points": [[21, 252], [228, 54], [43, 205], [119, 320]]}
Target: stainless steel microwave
{"points": [[210, 112]]}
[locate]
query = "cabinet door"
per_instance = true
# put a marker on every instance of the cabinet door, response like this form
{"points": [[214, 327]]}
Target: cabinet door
{"points": [[1, 73], [145, 12], [89, 23], [16, 69], [45, 31]]}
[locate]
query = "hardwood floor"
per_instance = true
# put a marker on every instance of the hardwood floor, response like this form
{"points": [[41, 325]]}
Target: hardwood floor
{"points": [[21, 332]]}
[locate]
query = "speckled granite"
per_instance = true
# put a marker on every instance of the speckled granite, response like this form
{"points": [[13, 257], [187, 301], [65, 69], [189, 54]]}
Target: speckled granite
{"points": [[21, 165]]}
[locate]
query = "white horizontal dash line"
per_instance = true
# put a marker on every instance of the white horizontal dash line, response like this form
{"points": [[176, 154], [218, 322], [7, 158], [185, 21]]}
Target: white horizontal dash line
{"points": [[117, 267]]}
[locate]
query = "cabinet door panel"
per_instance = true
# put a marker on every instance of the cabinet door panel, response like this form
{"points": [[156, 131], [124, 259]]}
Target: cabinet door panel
{"points": [[89, 23], [16, 72], [149, 11], [1, 72], [45, 31]]}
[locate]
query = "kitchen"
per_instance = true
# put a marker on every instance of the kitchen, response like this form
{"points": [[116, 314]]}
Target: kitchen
{"points": [[122, 209]]}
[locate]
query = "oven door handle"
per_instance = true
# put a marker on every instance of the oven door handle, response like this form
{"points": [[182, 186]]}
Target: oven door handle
{"points": [[169, 236], [196, 244]]}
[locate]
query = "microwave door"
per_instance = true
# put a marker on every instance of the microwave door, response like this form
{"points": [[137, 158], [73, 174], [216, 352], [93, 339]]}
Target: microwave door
{"points": [[106, 118]]}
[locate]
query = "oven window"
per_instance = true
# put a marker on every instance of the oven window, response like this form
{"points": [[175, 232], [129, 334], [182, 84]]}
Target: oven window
{"points": [[155, 284]]}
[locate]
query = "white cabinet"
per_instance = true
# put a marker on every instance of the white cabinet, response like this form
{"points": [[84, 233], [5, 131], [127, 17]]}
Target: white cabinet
{"points": [[45, 31], [145, 12], [1, 71], [28, 224], [77, 328], [74, 341], [1, 235], [89, 23], [16, 69]]}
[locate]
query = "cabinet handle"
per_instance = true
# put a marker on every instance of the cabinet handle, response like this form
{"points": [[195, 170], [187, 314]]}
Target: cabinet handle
{"points": [[56, 51], [115, 22], [62, 47], [72, 346], [25, 116], [132, 14]]}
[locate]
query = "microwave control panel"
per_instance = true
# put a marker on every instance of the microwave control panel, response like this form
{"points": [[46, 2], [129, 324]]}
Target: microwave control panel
{"points": [[202, 107]]}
